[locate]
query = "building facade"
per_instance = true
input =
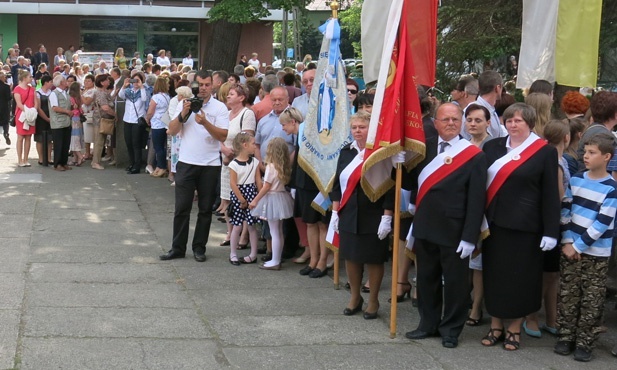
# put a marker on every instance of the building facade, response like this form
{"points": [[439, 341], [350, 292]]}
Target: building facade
{"points": [[143, 26]]}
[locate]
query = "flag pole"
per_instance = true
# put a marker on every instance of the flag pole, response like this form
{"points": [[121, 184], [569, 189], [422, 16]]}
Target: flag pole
{"points": [[395, 247], [334, 5]]}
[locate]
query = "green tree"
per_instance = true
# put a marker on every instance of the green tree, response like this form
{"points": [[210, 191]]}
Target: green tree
{"points": [[226, 20], [476, 34], [351, 29]]}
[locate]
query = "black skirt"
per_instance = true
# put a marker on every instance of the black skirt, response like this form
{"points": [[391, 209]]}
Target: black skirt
{"points": [[363, 248], [512, 264]]}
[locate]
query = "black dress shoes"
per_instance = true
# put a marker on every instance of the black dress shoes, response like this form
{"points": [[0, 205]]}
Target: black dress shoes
{"points": [[449, 342], [171, 255], [306, 270], [132, 171], [355, 310], [419, 334], [199, 257], [317, 273], [369, 315]]}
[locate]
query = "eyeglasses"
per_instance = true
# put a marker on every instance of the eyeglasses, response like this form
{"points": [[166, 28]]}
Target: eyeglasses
{"points": [[352, 92]]}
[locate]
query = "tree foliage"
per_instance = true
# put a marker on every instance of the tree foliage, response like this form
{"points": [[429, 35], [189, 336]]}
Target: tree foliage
{"points": [[351, 28], [246, 11], [477, 34]]}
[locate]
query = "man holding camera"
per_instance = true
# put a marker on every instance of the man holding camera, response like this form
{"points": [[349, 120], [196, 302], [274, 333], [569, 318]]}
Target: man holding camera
{"points": [[203, 123]]}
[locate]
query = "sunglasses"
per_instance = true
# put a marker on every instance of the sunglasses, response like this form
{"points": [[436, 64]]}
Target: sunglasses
{"points": [[353, 92]]}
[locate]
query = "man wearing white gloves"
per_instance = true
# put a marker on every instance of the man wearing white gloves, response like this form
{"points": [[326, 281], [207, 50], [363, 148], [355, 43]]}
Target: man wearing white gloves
{"points": [[448, 194]]}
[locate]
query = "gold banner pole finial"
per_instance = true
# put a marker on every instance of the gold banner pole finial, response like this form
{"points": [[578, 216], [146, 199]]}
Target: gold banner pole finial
{"points": [[334, 5]]}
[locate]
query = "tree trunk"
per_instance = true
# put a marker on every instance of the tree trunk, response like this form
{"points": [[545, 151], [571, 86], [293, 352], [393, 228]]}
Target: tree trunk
{"points": [[222, 45]]}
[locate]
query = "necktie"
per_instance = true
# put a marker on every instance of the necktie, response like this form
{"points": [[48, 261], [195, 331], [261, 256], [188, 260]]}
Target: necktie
{"points": [[442, 146]]}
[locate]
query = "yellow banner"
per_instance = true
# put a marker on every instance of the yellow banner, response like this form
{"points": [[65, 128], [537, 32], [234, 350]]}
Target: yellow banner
{"points": [[578, 36]]}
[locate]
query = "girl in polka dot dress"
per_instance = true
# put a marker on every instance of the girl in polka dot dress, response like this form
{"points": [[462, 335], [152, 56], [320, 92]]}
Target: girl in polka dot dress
{"points": [[245, 181]]}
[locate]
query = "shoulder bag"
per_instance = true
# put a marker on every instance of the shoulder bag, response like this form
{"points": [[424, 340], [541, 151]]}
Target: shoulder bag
{"points": [[227, 160], [107, 125]]}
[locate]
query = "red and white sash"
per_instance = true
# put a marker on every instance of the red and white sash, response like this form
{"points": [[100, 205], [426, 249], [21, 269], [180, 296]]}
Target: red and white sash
{"points": [[443, 165], [349, 179], [502, 168]]}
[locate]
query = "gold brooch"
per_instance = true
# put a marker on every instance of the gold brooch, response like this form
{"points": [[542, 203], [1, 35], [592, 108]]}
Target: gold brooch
{"points": [[516, 157], [447, 160]]}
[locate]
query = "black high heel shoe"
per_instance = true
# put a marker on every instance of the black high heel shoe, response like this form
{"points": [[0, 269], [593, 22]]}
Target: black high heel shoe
{"points": [[371, 315], [355, 310], [406, 292]]}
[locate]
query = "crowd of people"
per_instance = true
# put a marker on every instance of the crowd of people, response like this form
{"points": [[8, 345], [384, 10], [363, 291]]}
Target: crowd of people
{"points": [[512, 207]]}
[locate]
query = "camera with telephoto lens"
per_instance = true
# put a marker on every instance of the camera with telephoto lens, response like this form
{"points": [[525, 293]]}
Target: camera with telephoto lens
{"points": [[196, 103]]}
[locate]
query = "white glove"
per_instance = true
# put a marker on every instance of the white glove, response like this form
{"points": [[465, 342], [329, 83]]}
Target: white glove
{"points": [[334, 222], [411, 208], [410, 238], [398, 158], [465, 249], [385, 226], [547, 243], [293, 193]]}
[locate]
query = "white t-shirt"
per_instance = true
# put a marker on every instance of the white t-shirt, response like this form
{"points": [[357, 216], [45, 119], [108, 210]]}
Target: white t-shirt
{"points": [[198, 146], [188, 62], [255, 63], [248, 123], [162, 104], [164, 61]]}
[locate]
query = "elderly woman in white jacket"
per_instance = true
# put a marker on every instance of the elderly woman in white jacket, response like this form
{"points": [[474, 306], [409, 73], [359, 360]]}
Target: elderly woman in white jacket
{"points": [[135, 95]]}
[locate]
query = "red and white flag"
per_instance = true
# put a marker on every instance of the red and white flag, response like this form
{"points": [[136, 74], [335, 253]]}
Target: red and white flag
{"points": [[396, 120]]}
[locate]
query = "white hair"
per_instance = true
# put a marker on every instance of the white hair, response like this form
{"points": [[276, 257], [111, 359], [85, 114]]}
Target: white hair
{"points": [[184, 92], [58, 80]]}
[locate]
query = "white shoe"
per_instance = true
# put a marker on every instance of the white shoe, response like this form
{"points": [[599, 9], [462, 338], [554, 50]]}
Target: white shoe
{"points": [[149, 169], [112, 163], [106, 159]]}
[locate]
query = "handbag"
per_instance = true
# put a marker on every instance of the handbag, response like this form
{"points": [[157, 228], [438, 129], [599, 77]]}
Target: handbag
{"points": [[141, 121], [13, 118], [107, 126], [227, 160]]}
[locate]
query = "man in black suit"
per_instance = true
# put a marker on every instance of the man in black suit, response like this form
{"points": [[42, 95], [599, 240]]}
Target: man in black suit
{"points": [[448, 192], [40, 57]]}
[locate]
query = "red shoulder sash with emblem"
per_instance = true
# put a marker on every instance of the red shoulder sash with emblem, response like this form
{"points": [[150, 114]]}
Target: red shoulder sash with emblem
{"points": [[502, 168], [443, 165]]}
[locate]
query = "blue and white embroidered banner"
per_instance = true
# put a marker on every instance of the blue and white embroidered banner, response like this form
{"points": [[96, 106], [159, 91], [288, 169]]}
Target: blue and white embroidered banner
{"points": [[326, 125]]}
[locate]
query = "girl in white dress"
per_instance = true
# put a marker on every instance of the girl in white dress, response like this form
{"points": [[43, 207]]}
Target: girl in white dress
{"points": [[274, 203]]}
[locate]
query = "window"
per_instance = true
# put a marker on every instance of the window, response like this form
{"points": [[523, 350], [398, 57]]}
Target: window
{"points": [[109, 34]]}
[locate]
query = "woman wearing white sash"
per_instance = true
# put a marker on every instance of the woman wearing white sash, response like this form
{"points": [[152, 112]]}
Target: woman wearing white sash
{"points": [[363, 226], [523, 215]]}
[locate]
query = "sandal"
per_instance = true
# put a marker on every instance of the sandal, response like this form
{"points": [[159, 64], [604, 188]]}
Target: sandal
{"points": [[474, 322], [510, 340], [492, 338], [250, 260], [243, 246], [234, 262]]}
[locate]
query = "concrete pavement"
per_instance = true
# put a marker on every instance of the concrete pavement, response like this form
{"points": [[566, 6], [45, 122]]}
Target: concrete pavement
{"points": [[81, 287]]}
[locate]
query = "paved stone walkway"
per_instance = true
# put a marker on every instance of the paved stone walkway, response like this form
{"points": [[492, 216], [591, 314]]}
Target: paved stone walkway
{"points": [[81, 287]]}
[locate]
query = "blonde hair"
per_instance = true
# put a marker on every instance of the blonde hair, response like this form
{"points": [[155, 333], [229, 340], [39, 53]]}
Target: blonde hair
{"points": [[291, 114], [241, 139], [223, 92], [542, 104], [277, 154]]}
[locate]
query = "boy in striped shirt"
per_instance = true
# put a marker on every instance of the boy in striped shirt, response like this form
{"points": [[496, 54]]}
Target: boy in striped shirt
{"points": [[586, 239]]}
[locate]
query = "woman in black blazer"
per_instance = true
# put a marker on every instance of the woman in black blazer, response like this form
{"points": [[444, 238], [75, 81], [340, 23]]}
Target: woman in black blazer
{"points": [[363, 226], [523, 217]]}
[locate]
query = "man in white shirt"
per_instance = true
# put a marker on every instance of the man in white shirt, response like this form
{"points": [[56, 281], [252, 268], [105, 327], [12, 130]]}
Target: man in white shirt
{"points": [[60, 121], [302, 101], [490, 85], [199, 167]]}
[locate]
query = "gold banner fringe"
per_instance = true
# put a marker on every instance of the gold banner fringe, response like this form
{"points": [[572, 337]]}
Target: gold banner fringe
{"points": [[318, 208]]}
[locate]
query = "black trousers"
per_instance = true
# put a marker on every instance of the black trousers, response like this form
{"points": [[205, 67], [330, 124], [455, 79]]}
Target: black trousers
{"points": [[442, 308], [188, 179], [62, 144], [133, 137]]}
